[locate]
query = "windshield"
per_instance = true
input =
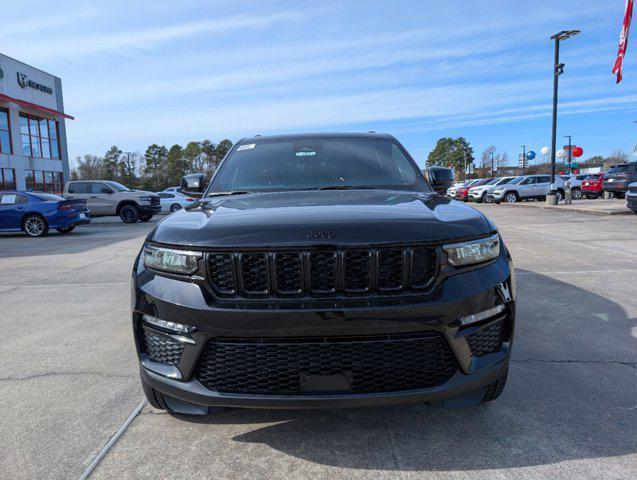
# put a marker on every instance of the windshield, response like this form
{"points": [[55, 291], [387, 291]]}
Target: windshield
{"points": [[504, 181], [317, 163], [593, 177], [516, 180], [118, 186]]}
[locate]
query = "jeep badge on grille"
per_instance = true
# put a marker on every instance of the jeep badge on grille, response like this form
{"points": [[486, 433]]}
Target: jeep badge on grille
{"points": [[315, 235]]}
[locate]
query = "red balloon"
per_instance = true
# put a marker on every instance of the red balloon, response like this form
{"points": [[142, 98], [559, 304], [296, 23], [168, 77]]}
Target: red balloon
{"points": [[577, 151]]}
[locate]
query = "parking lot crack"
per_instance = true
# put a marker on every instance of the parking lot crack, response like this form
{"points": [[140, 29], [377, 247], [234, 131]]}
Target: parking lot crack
{"points": [[545, 360], [392, 443]]}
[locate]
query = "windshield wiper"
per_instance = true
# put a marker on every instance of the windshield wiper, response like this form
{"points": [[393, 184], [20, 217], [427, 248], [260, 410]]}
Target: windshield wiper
{"points": [[343, 187], [231, 192]]}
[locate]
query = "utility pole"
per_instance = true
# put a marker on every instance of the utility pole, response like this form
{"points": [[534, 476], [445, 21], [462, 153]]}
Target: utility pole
{"points": [[129, 179], [558, 69], [523, 157], [464, 157], [492, 164]]}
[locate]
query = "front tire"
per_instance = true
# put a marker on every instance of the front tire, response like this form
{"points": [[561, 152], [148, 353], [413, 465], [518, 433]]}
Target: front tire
{"points": [[35, 226], [576, 194], [174, 207], [68, 229], [511, 197], [129, 214]]}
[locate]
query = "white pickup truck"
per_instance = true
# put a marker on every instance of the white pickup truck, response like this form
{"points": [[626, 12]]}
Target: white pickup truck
{"points": [[108, 198]]}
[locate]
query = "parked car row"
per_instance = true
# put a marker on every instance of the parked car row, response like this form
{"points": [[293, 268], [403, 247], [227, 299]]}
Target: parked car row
{"points": [[532, 187], [35, 213]]}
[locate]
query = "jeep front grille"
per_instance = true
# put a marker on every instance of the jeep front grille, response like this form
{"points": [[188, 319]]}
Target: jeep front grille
{"points": [[321, 273]]}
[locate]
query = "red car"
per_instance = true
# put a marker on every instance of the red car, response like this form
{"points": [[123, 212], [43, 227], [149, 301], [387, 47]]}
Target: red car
{"points": [[592, 185], [462, 193]]}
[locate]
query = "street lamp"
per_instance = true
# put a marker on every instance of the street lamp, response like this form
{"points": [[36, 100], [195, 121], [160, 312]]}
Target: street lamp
{"points": [[491, 164], [558, 69]]}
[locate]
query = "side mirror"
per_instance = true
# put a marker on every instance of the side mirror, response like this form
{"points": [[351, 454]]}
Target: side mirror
{"points": [[193, 184], [440, 178]]}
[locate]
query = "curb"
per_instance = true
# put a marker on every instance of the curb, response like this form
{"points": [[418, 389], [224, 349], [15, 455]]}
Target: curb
{"points": [[566, 208]]}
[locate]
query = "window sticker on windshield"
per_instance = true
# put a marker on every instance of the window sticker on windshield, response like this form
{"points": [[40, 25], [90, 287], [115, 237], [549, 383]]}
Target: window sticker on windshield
{"points": [[247, 146], [305, 153]]}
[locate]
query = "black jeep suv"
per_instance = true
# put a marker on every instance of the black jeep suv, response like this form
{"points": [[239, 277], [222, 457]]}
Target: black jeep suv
{"points": [[322, 271], [618, 177]]}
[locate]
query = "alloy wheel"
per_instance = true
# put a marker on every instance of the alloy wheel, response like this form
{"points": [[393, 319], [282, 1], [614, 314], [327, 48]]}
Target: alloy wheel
{"points": [[34, 226]]}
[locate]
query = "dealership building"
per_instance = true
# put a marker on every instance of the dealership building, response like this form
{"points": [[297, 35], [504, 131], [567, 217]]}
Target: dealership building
{"points": [[33, 153]]}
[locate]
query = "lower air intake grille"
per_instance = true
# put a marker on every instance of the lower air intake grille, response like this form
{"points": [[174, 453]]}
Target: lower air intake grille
{"points": [[297, 366], [160, 347], [489, 339]]}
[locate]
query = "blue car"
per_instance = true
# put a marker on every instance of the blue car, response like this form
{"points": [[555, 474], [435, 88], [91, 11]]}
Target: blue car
{"points": [[35, 213]]}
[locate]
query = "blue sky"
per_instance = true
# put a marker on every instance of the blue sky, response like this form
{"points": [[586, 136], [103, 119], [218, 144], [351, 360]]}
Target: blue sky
{"points": [[136, 73]]}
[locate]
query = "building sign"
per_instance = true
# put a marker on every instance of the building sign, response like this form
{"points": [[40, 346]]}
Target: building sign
{"points": [[24, 82]]}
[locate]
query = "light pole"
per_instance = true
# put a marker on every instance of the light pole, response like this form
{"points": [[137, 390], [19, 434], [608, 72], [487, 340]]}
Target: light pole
{"points": [[492, 164], [464, 157], [558, 69], [523, 157], [570, 145]]}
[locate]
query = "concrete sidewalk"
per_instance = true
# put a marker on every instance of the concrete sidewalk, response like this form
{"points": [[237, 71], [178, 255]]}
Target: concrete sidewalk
{"points": [[598, 206]]}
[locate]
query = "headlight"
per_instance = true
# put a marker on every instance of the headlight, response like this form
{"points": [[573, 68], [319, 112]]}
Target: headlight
{"points": [[498, 190], [172, 261], [476, 251]]}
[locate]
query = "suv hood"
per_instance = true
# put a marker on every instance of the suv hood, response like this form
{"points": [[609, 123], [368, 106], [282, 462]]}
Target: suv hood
{"points": [[348, 217]]}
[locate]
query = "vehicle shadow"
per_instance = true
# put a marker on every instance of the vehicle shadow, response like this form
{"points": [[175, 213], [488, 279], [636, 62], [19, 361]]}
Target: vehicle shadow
{"points": [[571, 395], [100, 232]]}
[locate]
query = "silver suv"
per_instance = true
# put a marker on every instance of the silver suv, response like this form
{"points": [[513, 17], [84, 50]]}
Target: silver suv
{"points": [[107, 198], [576, 183], [528, 187], [479, 193]]}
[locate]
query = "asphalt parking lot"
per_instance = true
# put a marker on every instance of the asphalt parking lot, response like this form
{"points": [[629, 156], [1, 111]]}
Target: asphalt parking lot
{"points": [[69, 375]]}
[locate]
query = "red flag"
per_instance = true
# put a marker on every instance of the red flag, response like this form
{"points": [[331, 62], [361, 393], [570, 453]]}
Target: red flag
{"points": [[623, 40]]}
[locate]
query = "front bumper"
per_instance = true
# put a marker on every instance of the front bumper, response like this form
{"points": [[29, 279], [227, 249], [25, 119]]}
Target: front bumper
{"points": [[149, 209], [438, 311], [631, 202]]}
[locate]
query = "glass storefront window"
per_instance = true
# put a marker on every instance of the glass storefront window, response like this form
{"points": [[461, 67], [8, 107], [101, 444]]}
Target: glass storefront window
{"points": [[7, 179], [5, 131], [30, 180], [40, 181], [39, 136]]}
